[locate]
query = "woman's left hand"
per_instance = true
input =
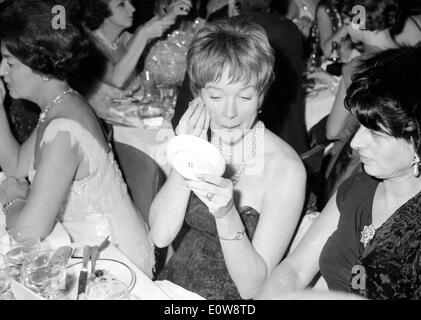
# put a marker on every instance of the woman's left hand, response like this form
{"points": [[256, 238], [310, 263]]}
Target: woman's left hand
{"points": [[12, 188], [216, 192]]}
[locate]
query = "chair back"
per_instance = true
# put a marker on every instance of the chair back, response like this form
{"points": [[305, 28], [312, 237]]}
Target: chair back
{"points": [[142, 174]]}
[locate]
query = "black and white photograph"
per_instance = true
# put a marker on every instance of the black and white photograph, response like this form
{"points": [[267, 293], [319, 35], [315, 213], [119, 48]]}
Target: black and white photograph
{"points": [[194, 152]]}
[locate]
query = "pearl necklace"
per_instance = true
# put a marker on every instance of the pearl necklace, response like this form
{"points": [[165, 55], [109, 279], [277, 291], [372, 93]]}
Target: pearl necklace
{"points": [[239, 155], [53, 102], [101, 36]]}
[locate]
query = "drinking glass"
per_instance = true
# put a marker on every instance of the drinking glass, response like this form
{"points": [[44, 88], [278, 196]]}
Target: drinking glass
{"points": [[45, 273], [17, 244], [107, 289], [5, 293]]}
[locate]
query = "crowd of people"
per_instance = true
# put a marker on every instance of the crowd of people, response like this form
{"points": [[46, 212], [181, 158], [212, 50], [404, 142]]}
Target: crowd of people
{"points": [[243, 91]]}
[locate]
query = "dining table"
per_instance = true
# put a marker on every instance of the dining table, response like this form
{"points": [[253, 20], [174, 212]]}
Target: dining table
{"points": [[318, 104], [143, 288]]}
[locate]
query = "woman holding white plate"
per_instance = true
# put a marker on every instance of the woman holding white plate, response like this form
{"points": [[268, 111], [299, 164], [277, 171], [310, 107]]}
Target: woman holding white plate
{"points": [[241, 223]]}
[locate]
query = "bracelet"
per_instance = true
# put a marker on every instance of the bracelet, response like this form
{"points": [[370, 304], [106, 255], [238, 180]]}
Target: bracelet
{"points": [[8, 204], [238, 236]]}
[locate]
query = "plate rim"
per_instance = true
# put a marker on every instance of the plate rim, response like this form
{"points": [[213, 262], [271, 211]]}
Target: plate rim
{"points": [[132, 272], [172, 153]]}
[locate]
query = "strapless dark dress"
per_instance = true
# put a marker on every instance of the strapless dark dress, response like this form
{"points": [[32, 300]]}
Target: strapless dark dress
{"points": [[198, 264]]}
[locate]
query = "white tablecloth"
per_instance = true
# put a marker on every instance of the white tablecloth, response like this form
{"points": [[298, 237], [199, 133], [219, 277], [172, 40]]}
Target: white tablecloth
{"points": [[318, 106], [144, 288]]}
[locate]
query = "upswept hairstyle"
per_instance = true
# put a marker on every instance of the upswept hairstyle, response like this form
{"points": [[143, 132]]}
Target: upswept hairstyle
{"points": [[95, 12], [27, 32], [235, 43], [385, 94]]}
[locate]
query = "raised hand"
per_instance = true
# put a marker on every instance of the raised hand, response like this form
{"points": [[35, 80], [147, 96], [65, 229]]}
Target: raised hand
{"points": [[195, 120], [155, 27], [179, 8], [216, 192]]}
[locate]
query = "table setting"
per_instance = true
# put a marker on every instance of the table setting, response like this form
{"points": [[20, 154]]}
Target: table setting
{"points": [[58, 269], [78, 272]]}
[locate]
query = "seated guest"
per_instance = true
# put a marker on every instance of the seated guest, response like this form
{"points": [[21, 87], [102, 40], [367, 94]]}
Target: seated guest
{"points": [[242, 223], [367, 239], [74, 178], [117, 51], [331, 28], [408, 29], [283, 109], [380, 18]]}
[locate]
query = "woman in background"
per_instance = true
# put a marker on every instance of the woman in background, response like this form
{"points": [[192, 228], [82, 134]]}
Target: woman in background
{"points": [[117, 51]]}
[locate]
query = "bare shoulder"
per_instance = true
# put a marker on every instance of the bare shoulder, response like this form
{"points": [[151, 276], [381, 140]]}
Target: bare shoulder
{"points": [[75, 108], [281, 159]]}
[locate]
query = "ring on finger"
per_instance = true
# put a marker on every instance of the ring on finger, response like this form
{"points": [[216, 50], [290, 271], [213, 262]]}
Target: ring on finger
{"points": [[209, 196]]}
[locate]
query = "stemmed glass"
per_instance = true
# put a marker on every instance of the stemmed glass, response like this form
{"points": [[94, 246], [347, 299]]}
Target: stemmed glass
{"points": [[45, 273], [17, 244], [5, 293]]}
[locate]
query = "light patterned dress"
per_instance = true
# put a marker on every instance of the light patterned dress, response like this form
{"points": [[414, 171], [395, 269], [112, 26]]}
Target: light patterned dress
{"points": [[99, 205]]}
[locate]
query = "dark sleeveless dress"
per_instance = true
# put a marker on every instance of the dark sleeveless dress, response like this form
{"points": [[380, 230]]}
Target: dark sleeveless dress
{"points": [[198, 264], [391, 260]]}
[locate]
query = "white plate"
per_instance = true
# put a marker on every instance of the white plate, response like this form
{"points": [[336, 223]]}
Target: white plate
{"points": [[119, 270], [191, 155]]}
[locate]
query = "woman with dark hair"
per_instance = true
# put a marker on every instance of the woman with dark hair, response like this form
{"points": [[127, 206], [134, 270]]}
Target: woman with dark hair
{"points": [[367, 240], [118, 51], [74, 178], [242, 223]]}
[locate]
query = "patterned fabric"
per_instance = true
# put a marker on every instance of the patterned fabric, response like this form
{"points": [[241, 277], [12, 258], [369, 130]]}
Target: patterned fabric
{"points": [[198, 265], [99, 205], [392, 259]]}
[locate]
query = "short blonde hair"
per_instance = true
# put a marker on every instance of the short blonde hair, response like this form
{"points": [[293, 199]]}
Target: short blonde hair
{"points": [[235, 43]]}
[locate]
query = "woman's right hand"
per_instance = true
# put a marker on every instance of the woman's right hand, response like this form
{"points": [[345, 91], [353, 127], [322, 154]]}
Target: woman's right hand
{"points": [[195, 120], [12, 188], [155, 27], [179, 8]]}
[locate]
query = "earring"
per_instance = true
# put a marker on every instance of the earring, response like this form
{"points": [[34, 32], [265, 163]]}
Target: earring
{"points": [[45, 78], [260, 111], [416, 166]]}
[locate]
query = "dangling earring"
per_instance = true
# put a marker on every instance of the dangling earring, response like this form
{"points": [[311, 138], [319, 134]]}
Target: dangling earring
{"points": [[45, 78], [260, 111], [416, 166]]}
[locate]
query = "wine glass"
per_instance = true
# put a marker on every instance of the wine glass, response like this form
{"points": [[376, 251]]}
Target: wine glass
{"points": [[45, 273], [5, 293], [17, 244]]}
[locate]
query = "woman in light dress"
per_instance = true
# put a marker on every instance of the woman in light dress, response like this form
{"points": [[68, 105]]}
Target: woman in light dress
{"points": [[74, 178]]}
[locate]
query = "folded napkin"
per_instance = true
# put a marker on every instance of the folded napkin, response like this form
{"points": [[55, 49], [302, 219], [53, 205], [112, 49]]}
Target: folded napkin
{"points": [[175, 292]]}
